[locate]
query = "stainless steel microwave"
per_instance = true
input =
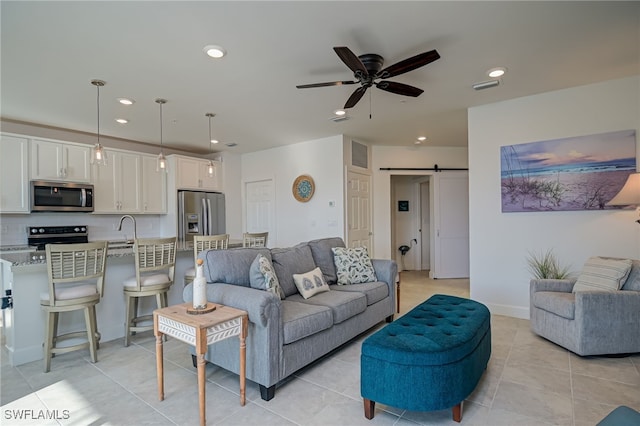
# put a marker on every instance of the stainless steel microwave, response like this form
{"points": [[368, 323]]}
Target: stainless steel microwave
{"points": [[61, 197]]}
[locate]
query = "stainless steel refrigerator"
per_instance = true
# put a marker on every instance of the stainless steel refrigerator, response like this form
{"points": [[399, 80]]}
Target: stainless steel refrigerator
{"points": [[200, 213]]}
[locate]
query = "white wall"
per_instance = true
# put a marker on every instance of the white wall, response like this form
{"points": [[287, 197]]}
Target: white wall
{"points": [[322, 159], [499, 243], [232, 178], [407, 157]]}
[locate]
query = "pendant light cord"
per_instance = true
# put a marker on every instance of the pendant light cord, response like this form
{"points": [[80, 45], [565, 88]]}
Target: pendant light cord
{"points": [[161, 152], [98, 101], [210, 148]]}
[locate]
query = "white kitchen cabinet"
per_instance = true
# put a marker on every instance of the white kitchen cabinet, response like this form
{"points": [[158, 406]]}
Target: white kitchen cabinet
{"points": [[60, 161], [117, 185], [193, 173], [14, 174], [154, 187]]}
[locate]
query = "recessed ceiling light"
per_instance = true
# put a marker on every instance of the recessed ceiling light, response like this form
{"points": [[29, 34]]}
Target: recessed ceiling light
{"points": [[214, 51], [496, 72], [340, 112], [214, 141], [231, 144], [122, 120], [417, 143], [422, 138], [126, 101]]}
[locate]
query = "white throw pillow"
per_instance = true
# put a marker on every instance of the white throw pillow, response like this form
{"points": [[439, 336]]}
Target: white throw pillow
{"points": [[310, 283], [353, 265], [603, 274]]}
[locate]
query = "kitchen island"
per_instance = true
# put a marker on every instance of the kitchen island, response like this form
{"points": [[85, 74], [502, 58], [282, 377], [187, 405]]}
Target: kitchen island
{"points": [[25, 275]]}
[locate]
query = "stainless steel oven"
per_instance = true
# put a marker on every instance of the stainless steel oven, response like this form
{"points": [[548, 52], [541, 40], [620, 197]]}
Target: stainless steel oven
{"points": [[61, 197]]}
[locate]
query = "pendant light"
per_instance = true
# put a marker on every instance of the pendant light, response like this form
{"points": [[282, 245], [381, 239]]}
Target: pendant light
{"points": [[98, 154], [211, 168], [162, 161]]}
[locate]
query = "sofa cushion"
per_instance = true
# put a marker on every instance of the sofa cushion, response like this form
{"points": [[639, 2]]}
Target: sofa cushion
{"points": [[263, 277], [558, 303], [231, 266], [374, 292], [289, 261], [633, 280], [353, 265], [343, 305], [603, 274], [310, 283], [300, 320], [323, 256]]}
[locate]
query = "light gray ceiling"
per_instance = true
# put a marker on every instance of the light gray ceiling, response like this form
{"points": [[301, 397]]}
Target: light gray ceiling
{"points": [[145, 50]]}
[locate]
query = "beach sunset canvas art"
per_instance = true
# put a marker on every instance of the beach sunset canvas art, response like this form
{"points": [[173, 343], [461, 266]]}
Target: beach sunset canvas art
{"points": [[577, 173]]}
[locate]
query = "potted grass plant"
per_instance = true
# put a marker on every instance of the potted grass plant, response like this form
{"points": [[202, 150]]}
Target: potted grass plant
{"points": [[545, 265]]}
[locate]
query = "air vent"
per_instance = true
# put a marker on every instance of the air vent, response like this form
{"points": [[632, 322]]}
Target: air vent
{"points": [[486, 84], [359, 155], [338, 119]]}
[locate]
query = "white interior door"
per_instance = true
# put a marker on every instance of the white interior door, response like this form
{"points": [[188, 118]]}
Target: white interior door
{"points": [[260, 208], [359, 210], [451, 217]]}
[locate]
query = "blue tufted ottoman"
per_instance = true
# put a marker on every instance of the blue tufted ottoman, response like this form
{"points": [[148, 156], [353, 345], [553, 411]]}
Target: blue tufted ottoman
{"points": [[429, 359]]}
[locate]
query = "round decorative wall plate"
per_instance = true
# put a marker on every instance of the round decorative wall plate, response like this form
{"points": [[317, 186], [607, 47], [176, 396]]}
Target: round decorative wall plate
{"points": [[303, 188]]}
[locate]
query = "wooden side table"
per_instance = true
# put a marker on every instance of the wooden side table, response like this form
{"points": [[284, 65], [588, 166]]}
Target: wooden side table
{"points": [[200, 331]]}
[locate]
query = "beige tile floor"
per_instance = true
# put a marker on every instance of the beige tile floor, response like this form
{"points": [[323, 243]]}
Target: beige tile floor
{"points": [[529, 381]]}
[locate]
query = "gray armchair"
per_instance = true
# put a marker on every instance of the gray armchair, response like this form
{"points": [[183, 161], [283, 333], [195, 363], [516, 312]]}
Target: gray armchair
{"points": [[588, 322]]}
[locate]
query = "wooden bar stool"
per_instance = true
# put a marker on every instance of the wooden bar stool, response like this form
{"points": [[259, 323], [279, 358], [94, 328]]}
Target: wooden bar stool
{"points": [[254, 239], [76, 281], [155, 261], [201, 243]]}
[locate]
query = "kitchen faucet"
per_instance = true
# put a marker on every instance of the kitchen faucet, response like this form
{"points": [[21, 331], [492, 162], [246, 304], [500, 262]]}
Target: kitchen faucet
{"points": [[133, 219]]}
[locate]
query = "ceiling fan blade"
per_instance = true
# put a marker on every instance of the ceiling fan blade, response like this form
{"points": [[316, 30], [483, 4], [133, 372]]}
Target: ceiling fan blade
{"points": [[351, 60], [409, 64], [355, 97], [399, 88], [331, 83]]}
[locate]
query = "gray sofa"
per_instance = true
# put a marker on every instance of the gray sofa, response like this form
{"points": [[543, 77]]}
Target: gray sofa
{"points": [[286, 335], [588, 322]]}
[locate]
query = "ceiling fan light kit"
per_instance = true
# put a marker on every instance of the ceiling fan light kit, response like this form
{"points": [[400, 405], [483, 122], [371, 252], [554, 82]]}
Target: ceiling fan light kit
{"points": [[367, 69]]}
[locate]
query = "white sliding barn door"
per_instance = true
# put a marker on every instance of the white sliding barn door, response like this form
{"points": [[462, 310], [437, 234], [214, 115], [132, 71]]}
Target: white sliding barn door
{"points": [[451, 223]]}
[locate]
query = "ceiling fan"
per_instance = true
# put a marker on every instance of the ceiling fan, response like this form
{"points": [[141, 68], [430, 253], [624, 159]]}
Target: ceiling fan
{"points": [[368, 68]]}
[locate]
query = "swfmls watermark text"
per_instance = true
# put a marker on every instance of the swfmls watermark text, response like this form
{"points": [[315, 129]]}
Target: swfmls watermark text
{"points": [[26, 414]]}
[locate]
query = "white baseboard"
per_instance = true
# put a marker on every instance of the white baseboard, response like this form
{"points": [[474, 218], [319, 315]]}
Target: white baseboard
{"points": [[509, 310]]}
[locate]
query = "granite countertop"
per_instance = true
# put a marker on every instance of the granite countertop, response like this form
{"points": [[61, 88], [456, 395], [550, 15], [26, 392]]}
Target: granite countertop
{"points": [[27, 255], [24, 255]]}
